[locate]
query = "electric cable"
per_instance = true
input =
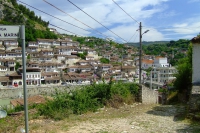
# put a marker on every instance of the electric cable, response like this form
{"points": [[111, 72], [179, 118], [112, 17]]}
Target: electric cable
{"points": [[125, 11], [96, 20], [75, 18]]}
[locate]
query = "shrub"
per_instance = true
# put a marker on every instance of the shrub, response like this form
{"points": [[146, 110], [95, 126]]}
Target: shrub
{"points": [[88, 98]]}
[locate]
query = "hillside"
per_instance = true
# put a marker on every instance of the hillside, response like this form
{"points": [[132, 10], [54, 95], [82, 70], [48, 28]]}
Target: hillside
{"points": [[147, 43]]}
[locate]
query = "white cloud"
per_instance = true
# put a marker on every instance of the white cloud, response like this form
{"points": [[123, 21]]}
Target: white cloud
{"points": [[189, 26], [192, 1], [107, 13]]}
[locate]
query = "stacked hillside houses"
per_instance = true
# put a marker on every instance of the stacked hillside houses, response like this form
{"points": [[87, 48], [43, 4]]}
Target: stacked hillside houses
{"points": [[50, 61], [54, 62]]}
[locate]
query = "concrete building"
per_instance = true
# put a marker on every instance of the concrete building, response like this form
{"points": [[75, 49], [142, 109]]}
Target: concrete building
{"points": [[163, 74]]}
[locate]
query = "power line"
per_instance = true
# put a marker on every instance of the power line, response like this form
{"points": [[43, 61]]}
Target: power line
{"points": [[52, 16], [132, 36], [95, 20], [75, 18], [136, 37], [125, 12], [47, 13], [63, 29], [165, 28]]}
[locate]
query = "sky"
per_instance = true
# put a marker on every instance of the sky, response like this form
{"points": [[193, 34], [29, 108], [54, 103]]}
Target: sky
{"points": [[165, 19]]}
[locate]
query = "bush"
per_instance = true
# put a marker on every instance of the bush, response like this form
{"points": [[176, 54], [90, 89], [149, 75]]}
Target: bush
{"points": [[89, 98]]}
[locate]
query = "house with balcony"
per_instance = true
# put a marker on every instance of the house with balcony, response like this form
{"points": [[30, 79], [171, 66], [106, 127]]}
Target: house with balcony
{"points": [[5, 81], [3, 69], [56, 44], [147, 63], [83, 47], [51, 67], [66, 50], [85, 68], [33, 75], [69, 43], [104, 67], [163, 74], [71, 60], [45, 43], [89, 58], [78, 78], [33, 44], [73, 69], [115, 72], [2, 53], [9, 44], [13, 54], [129, 71], [91, 52], [50, 78], [107, 56], [45, 58], [82, 62], [8, 63], [32, 64], [32, 47], [66, 43], [34, 56], [46, 52], [80, 51], [15, 79]]}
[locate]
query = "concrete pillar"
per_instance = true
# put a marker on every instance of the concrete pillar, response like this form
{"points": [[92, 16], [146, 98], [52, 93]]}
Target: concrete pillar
{"points": [[196, 60]]}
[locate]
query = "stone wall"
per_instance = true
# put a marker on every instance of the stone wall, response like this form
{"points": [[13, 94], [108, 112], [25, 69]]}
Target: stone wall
{"points": [[194, 103], [149, 96], [146, 95], [18, 92]]}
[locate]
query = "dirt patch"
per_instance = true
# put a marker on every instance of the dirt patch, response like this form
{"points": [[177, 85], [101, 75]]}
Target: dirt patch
{"points": [[136, 118]]}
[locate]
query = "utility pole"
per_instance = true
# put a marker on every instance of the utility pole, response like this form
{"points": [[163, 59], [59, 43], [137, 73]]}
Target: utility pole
{"points": [[140, 53], [140, 56]]}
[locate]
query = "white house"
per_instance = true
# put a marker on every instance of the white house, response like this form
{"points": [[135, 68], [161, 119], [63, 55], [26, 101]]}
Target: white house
{"points": [[10, 44], [163, 74], [160, 62], [32, 44], [45, 43]]}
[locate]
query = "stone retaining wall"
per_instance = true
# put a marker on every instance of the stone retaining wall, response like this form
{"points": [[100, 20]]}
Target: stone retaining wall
{"points": [[149, 96], [18, 92], [194, 103]]}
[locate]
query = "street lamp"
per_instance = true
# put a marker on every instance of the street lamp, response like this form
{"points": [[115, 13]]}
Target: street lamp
{"points": [[140, 56]]}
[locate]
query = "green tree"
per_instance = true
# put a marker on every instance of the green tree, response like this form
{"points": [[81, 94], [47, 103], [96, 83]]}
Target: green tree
{"points": [[28, 56], [17, 65], [183, 80], [104, 60]]}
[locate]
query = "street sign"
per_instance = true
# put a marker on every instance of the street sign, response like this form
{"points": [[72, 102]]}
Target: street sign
{"points": [[9, 32]]}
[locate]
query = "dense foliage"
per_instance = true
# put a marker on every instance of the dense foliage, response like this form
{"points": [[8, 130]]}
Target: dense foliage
{"points": [[104, 60], [90, 98], [174, 50], [183, 80]]}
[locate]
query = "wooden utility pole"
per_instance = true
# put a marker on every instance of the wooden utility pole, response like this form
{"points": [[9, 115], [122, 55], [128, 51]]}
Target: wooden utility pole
{"points": [[140, 53]]}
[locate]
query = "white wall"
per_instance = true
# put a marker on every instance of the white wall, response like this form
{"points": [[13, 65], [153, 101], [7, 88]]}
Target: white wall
{"points": [[196, 63]]}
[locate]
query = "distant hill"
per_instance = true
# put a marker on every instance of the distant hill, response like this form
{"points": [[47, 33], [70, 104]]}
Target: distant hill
{"points": [[147, 43]]}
